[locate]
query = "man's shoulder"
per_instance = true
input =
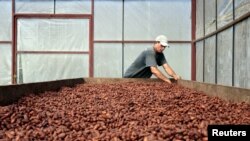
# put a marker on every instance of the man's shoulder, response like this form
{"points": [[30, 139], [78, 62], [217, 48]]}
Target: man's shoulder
{"points": [[149, 51]]}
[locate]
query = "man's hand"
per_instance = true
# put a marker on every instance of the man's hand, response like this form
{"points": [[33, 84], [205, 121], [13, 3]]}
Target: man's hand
{"points": [[168, 81], [177, 77]]}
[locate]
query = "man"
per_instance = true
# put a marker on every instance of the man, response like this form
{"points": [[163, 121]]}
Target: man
{"points": [[146, 63]]}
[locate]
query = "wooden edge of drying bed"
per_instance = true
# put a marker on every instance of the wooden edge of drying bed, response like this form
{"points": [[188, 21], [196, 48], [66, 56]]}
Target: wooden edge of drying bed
{"points": [[233, 94], [11, 93]]}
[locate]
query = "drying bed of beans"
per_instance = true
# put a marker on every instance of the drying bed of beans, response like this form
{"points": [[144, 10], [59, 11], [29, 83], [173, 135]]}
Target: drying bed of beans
{"points": [[143, 111]]}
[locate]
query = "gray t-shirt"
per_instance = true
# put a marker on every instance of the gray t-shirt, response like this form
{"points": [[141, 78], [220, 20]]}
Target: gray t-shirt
{"points": [[140, 68]]}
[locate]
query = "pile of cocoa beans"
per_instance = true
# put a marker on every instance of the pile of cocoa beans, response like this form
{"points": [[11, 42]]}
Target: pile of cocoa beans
{"points": [[126, 111]]}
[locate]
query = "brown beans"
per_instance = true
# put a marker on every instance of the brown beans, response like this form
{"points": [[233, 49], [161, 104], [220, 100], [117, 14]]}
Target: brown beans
{"points": [[115, 112]]}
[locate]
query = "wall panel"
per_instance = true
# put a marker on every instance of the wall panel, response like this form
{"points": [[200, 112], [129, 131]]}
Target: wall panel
{"points": [[5, 64], [34, 6], [48, 67], [199, 19], [225, 12], [5, 20], [73, 7], [199, 61], [210, 19], [241, 7], [225, 57], [242, 54], [209, 68], [144, 20], [108, 20], [108, 60]]}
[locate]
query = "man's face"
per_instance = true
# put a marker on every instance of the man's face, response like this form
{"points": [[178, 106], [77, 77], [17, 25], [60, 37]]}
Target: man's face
{"points": [[159, 48]]}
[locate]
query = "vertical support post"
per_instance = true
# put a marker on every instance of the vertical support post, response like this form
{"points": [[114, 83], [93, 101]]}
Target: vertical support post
{"points": [[14, 54], [204, 32], [123, 37], [216, 42], [233, 58], [193, 48], [54, 6], [91, 42]]}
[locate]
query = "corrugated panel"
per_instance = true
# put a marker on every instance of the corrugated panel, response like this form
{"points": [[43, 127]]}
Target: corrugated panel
{"points": [[241, 7], [108, 60], [225, 57], [5, 64], [199, 19], [242, 54], [210, 20], [225, 12], [199, 61], [5, 20], [209, 68], [108, 20]]}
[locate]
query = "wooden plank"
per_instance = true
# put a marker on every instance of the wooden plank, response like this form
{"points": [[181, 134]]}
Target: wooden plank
{"points": [[228, 93], [11, 93]]}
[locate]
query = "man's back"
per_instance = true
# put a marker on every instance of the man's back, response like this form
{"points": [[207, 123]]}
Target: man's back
{"points": [[140, 68]]}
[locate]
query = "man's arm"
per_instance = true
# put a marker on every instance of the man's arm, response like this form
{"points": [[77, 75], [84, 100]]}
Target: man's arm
{"points": [[170, 71], [158, 74]]}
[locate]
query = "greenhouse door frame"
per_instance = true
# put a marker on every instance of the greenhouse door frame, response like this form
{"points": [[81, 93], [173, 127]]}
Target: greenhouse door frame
{"points": [[51, 16]]}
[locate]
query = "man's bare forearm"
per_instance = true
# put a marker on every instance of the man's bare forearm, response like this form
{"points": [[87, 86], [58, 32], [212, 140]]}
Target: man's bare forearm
{"points": [[159, 75]]}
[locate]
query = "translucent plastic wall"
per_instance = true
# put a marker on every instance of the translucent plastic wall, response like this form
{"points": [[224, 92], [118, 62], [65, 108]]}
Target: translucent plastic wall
{"points": [[199, 61], [47, 67], [226, 52], [52, 35], [5, 64], [225, 12], [199, 19], [5, 42], [225, 57], [62, 39], [142, 21], [242, 54], [241, 7], [210, 20], [108, 60], [209, 62], [53, 6], [5, 20], [108, 21], [34, 6]]}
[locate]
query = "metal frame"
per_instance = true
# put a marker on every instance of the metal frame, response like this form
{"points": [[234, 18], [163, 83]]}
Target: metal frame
{"points": [[233, 44], [5, 42], [16, 16], [52, 52], [13, 76], [136, 41], [216, 43], [243, 17], [215, 33], [193, 45], [13, 42]]}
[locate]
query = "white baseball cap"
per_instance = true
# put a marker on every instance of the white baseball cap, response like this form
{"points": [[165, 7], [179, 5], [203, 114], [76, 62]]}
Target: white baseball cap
{"points": [[163, 40]]}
